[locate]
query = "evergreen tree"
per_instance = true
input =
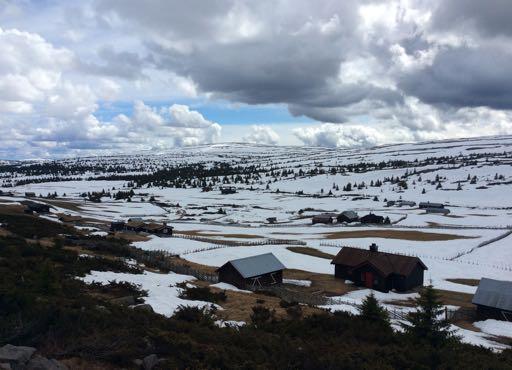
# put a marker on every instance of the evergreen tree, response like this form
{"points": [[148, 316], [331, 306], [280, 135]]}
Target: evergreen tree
{"points": [[371, 310], [427, 322]]}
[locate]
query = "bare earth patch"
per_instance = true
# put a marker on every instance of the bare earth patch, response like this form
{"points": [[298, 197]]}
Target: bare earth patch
{"points": [[470, 282], [413, 235], [311, 252], [202, 233]]}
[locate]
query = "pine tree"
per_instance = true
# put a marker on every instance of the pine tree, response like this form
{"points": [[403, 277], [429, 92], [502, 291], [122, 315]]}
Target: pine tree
{"points": [[427, 322], [371, 310]]}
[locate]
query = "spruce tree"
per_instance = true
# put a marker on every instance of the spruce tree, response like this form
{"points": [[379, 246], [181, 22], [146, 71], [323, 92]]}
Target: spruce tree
{"points": [[427, 322], [371, 310]]}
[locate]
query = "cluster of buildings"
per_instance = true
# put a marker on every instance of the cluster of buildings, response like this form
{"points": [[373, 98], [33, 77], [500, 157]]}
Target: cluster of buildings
{"points": [[369, 268], [348, 217], [138, 225]]}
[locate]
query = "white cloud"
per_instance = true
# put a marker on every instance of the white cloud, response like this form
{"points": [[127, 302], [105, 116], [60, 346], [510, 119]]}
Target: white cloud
{"points": [[260, 134]]}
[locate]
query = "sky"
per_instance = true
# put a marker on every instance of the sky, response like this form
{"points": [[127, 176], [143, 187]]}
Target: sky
{"points": [[117, 76]]}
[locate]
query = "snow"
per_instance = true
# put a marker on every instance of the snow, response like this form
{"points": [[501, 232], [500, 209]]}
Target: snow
{"points": [[226, 286], [495, 327], [162, 293], [306, 283]]}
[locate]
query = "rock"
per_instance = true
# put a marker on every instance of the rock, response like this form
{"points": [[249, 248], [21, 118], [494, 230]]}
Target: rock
{"points": [[42, 363], [143, 307], [149, 362], [124, 301], [16, 356]]}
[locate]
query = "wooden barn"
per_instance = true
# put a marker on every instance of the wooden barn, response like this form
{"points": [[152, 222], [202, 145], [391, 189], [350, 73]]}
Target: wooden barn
{"points": [[33, 207], [425, 205], [493, 300], [372, 218], [348, 217], [252, 272], [442, 211], [158, 229], [378, 270], [324, 218], [117, 225], [228, 190]]}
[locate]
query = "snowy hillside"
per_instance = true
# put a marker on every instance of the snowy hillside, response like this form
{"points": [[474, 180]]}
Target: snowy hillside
{"points": [[280, 189]]}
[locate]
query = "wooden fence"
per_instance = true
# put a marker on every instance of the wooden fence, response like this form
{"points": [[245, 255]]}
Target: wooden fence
{"points": [[241, 243]]}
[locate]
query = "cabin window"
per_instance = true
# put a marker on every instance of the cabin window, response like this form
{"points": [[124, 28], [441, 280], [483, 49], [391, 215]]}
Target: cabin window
{"points": [[362, 276]]}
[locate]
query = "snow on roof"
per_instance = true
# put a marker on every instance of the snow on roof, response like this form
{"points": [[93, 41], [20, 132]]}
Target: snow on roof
{"points": [[257, 265], [494, 293]]}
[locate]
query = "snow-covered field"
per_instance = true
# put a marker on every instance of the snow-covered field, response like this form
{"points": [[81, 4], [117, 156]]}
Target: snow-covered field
{"points": [[471, 177]]}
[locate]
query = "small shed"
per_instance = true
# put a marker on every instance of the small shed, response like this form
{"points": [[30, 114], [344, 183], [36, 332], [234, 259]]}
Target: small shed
{"points": [[30, 194], [379, 270], [424, 205], [348, 216], [406, 203], [324, 218], [159, 229], [69, 218], [372, 218], [493, 299], [252, 272], [33, 207], [117, 225], [133, 225], [443, 211], [227, 190]]}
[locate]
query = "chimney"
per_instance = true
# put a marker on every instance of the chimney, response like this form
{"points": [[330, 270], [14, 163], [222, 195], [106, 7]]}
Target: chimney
{"points": [[374, 247]]}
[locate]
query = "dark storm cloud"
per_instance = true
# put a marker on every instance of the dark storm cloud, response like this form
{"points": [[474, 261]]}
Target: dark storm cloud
{"points": [[464, 77], [294, 59], [486, 17]]}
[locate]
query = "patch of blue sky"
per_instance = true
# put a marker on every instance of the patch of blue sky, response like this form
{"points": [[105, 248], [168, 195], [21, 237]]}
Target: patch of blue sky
{"points": [[223, 113]]}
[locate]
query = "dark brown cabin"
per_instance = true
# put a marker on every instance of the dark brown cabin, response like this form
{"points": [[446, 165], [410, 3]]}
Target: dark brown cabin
{"points": [[379, 270], [252, 272]]}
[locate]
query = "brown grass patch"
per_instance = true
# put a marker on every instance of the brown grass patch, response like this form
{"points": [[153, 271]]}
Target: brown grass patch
{"points": [[470, 282], [311, 252], [412, 235], [325, 284], [66, 204], [455, 298]]}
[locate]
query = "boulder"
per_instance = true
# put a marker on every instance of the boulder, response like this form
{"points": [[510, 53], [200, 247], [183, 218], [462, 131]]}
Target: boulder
{"points": [[124, 301], [42, 363], [149, 362], [143, 307], [16, 355]]}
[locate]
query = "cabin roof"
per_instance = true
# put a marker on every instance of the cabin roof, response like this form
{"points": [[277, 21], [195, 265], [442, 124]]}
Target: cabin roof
{"points": [[386, 263], [256, 265], [494, 293]]}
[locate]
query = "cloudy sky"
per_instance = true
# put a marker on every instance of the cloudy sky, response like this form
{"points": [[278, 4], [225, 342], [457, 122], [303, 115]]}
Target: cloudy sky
{"points": [[107, 76]]}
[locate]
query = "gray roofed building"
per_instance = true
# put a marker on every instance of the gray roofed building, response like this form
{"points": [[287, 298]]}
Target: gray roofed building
{"points": [[257, 265], [252, 272], [493, 299], [424, 205]]}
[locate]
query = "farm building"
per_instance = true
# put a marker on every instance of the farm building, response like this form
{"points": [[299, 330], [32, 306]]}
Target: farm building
{"points": [[117, 225], [228, 190], [158, 229], [324, 218], [32, 207], [372, 219], [493, 300], [69, 218], [30, 195], [379, 270], [347, 216], [443, 211], [425, 205], [252, 272], [134, 225], [405, 203]]}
